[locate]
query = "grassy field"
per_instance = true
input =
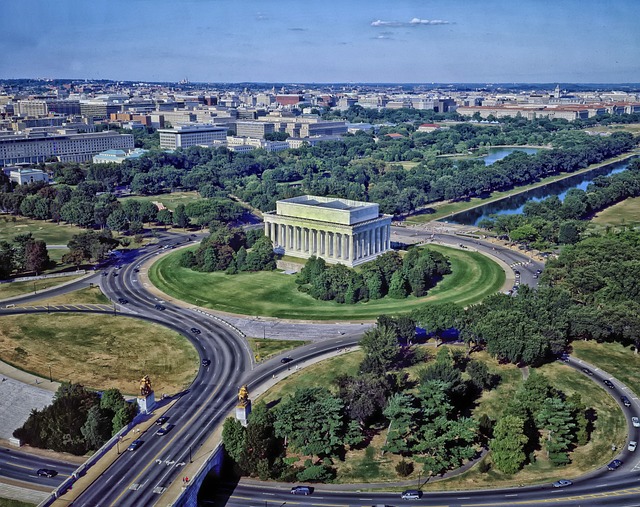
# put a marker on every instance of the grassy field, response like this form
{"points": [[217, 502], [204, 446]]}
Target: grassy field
{"points": [[170, 201], [625, 213], [634, 128], [50, 232], [8, 290], [445, 208], [264, 349], [88, 295], [274, 294], [99, 351], [369, 465], [614, 358], [7, 502]]}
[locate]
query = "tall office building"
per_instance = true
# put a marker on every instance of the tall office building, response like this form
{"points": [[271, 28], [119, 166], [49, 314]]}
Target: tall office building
{"points": [[192, 135]]}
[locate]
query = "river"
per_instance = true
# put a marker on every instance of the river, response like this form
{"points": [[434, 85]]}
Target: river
{"points": [[514, 204]]}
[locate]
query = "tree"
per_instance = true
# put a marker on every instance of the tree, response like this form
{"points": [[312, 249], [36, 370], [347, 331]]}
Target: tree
{"points": [[437, 318], [402, 414], [234, 438], [507, 445], [180, 217], [117, 220], [556, 417], [7, 259], [97, 428], [164, 217], [380, 346], [36, 256], [399, 287]]}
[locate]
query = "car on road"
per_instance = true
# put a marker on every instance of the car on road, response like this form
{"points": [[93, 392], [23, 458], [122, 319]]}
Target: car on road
{"points": [[625, 401], [411, 494], [136, 270], [123, 301], [562, 483], [206, 362], [615, 464], [608, 383], [195, 330], [134, 445], [164, 429], [115, 274], [46, 472], [587, 371], [160, 307], [286, 360], [301, 490], [636, 422], [161, 420], [105, 273], [632, 445]]}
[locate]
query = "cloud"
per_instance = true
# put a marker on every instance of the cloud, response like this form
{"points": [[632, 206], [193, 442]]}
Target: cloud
{"points": [[413, 22], [297, 29], [382, 37]]}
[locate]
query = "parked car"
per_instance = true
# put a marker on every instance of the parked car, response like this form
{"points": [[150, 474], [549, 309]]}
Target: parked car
{"points": [[562, 483], [301, 490], [615, 464], [46, 472]]}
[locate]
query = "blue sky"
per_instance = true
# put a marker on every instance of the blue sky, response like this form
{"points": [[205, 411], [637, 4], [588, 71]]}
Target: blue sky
{"points": [[418, 41]]}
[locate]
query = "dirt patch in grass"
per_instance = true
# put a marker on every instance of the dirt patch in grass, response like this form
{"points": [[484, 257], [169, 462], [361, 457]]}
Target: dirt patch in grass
{"points": [[99, 351], [265, 348]]}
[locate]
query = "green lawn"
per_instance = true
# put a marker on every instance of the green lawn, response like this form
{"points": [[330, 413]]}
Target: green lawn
{"points": [[614, 358], [274, 294], [7, 502], [170, 201], [264, 349], [50, 232], [625, 213], [99, 351], [88, 295], [8, 290]]}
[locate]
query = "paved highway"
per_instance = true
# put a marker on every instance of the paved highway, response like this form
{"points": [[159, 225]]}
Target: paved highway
{"points": [[21, 466]]}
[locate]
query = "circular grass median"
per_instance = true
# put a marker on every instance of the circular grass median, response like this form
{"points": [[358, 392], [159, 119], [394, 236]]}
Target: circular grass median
{"points": [[274, 294], [98, 351]]}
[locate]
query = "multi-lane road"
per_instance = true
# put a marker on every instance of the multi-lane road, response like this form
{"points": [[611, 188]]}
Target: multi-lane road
{"points": [[139, 478]]}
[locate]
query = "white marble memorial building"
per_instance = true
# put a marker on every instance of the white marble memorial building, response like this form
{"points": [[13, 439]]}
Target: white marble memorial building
{"points": [[340, 231]]}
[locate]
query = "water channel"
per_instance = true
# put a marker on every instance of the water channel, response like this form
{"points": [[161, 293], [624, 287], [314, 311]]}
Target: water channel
{"points": [[514, 204]]}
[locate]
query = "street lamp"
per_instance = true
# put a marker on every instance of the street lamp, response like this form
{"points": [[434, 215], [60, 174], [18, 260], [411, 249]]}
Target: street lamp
{"points": [[50, 377], [34, 288]]}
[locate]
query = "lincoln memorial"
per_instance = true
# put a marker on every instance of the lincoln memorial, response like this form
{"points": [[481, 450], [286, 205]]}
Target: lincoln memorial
{"points": [[340, 231]]}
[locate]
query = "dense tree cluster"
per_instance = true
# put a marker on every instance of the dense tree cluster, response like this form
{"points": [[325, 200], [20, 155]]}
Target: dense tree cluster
{"points": [[551, 221], [539, 413], [388, 275], [77, 421], [23, 254], [90, 245], [231, 250]]}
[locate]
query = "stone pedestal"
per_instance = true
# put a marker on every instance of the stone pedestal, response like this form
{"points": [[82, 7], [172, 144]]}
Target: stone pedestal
{"points": [[146, 403], [242, 412]]}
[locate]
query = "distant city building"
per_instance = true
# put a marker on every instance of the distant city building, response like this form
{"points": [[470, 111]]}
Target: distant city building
{"points": [[192, 135], [67, 145], [428, 127], [340, 231], [255, 129], [117, 156]]}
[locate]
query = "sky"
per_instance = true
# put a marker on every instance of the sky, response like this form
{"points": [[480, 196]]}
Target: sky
{"points": [[309, 41]]}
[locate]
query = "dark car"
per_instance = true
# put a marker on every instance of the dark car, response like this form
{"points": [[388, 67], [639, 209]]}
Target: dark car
{"points": [[105, 273], [206, 362], [625, 401], [160, 307], [136, 270], [161, 420], [301, 490], [195, 330], [587, 371], [286, 360], [164, 429], [46, 472], [134, 445], [123, 301], [115, 274], [615, 464], [608, 383]]}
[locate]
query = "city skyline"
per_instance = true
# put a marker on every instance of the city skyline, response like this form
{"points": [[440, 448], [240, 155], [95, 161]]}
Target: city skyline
{"points": [[374, 41]]}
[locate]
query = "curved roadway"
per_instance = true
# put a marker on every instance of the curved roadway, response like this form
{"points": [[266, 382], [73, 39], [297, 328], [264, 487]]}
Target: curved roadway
{"points": [[140, 477]]}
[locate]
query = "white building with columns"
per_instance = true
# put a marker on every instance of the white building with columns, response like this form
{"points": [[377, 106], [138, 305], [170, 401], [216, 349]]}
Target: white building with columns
{"points": [[340, 231]]}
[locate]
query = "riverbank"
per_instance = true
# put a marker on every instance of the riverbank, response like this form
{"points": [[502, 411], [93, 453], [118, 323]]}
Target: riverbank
{"points": [[444, 210]]}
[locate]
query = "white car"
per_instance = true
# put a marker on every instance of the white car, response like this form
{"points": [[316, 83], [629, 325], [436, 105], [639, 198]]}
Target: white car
{"points": [[632, 445], [636, 422]]}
